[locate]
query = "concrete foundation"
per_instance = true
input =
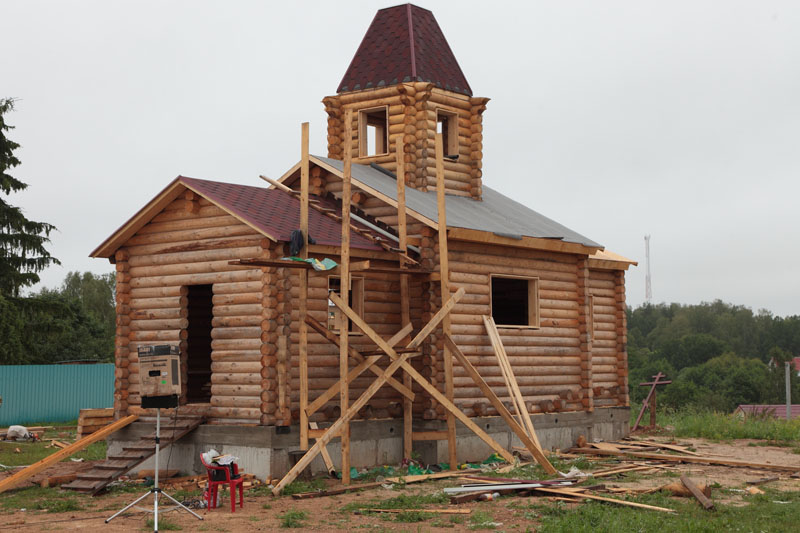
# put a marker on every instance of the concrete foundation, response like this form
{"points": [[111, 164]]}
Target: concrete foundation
{"points": [[264, 450]]}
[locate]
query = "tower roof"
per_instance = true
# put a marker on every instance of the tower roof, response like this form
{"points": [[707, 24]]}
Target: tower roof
{"points": [[404, 43]]}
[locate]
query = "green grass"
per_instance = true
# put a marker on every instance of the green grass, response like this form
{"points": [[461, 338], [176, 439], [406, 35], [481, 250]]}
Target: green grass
{"points": [[299, 486], [51, 500], [163, 524], [481, 520], [30, 452], [761, 515], [719, 426], [403, 501], [293, 519]]}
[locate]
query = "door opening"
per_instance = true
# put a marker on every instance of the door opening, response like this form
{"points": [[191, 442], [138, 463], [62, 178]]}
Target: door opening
{"points": [[198, 358]]}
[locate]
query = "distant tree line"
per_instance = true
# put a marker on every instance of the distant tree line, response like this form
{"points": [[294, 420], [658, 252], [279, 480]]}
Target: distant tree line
{"points": [[74, 322], [718, 355]]}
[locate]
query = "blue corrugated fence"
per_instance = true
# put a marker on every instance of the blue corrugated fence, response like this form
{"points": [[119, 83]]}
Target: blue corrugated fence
{"points": [[53, 393]]}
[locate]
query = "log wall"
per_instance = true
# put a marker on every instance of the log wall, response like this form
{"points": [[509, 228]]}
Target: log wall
{"points": [[609, 357], [547, 361], [190, 243]]}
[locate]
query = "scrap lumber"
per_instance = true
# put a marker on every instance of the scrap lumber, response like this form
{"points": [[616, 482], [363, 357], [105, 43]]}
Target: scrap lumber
{"points": [[687, 459], [697, 493], [530, 444], [336, 491], [22, 475], [664, 446], [762, 480], [55, 481], [437, 511], [438, 475], [563, 492]]}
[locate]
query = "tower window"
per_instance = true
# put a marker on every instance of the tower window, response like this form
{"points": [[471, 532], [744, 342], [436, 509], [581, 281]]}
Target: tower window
{"points": [[373, 131], [515, 301], [447, 125]]}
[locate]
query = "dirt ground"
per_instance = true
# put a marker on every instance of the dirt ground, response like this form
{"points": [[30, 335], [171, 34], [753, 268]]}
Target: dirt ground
{"points": [[262, 512]]}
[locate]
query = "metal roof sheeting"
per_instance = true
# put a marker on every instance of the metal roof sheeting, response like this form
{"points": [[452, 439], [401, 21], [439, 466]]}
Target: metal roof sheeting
{"points": [[495, 213]]}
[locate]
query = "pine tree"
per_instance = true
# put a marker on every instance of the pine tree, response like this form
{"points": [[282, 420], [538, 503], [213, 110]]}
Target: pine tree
{"points": [[22, 241]]}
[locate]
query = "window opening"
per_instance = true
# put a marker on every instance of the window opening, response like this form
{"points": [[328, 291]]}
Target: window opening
{"points": [[447, 125], [373, 132], [355, 301], [515, 301], [198, 351]]}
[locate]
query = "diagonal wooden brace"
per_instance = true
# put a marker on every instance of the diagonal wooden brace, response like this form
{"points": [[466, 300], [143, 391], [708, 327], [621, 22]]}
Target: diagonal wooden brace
{"points": [[416, 376], [333, 390], [336, 427], [400, 335], [501, 409]]}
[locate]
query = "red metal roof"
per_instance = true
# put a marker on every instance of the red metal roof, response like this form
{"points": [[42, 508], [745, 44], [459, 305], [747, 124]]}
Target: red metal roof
{"points": [[275, 212], [404, 43]]}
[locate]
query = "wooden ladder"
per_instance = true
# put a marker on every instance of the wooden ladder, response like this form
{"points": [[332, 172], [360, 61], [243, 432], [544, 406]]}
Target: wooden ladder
{"points": [[98, 478]]}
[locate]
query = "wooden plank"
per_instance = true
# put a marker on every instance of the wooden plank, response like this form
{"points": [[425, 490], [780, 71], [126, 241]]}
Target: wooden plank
{"points": [[323, 398], [405, 298], [336, 491], [303, 275], [762, 480], [22, 475], [429, 435], [696, 492], [514, 391], [602, 499], [437, 475], [416, 376], [536, 451], [432, 511], [444, 272], [688, 459], [326, 457], [337, 426], [344, 266], [330, 336]]}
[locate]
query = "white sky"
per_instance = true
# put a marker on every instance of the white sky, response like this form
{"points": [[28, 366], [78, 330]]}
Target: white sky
{"points": [[679, 119]]}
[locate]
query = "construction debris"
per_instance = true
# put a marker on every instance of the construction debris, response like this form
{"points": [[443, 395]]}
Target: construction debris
{"points": [[704, 500]]}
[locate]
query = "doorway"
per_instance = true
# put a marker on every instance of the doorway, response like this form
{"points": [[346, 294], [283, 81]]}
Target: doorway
{"points": [[198, 356]]}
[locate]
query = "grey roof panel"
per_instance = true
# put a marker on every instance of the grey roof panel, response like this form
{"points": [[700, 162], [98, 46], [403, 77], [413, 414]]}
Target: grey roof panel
{"points": [[496, 213]]}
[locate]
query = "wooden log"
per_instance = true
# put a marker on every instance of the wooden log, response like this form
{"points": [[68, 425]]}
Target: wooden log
{"points": [[697, 493]]}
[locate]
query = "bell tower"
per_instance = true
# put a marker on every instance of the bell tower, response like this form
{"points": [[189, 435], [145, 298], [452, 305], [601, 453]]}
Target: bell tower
{"points": [[404, 82]]}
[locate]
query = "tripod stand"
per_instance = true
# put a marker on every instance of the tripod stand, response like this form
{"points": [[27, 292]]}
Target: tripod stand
{"points": [[155, 491]]}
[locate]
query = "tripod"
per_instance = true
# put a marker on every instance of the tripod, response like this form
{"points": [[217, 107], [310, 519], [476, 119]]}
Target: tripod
{"points": [[155, 491]]}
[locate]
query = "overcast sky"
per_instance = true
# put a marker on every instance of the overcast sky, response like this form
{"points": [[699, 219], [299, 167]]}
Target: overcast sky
{"points": [[677, 119]]}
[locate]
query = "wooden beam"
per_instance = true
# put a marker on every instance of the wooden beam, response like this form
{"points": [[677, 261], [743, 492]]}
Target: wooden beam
{"points": [[358, 356], [358, 266], [531, 446], [444, 272], [287, 263], [277, 184], [511, 380], [326, 457], [430, 435], [15, 479], [337, 426], [303, 331], [552, 245], [688, 459], [344, 266], [416, 376], [323, 398], [696, 492], [405, 298], [602, 499]]}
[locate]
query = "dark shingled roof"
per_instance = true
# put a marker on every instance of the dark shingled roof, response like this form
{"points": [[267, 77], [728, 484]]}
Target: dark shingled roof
{"points": [[404, 43], [276, 212]]}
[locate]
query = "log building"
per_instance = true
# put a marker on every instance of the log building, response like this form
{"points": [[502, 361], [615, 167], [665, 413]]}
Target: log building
{"points": [[200, 266]]}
